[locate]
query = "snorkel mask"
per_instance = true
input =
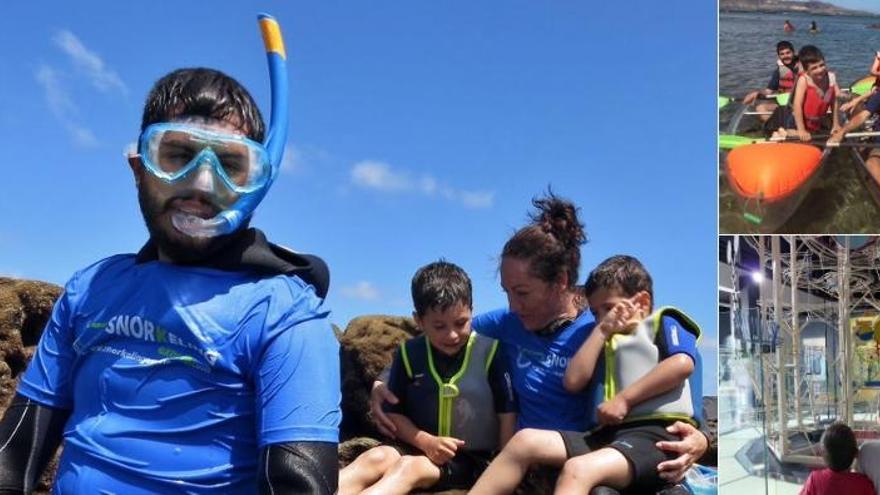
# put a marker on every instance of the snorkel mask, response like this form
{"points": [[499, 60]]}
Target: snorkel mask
{"points": [[241, 168]]}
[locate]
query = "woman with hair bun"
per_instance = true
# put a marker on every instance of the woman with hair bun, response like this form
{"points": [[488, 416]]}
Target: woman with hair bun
{"points": [[543, 327]]}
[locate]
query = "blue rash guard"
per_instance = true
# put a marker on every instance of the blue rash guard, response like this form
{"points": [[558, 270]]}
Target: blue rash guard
{"points": [[537, 365], [177, 376]]}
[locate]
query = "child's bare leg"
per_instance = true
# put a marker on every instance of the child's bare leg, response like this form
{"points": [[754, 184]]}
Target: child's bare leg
{"points": [[601, 467], [527, 447], [408, 473], [366, 469]]}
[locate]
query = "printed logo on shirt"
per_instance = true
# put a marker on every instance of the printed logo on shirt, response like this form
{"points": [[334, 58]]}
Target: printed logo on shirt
{"points": [[140, 328], [555, 363]]}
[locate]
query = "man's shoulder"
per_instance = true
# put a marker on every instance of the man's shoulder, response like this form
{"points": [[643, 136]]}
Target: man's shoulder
{"points": [[111, 266]]}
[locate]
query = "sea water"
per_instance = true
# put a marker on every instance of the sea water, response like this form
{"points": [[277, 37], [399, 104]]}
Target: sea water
{"points": [[838, 201]]}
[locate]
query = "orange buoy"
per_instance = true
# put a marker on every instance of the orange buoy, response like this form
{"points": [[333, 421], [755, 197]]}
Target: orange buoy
{"points": [[771, 171]]}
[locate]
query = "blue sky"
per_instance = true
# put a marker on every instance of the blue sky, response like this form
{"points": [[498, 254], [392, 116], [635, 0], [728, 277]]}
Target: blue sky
{"points": [[866, 5], [418, 130]]}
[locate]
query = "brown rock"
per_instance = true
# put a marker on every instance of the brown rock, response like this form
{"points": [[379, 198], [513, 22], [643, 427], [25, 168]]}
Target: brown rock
{"points": [[366, 348], [25, 307]]}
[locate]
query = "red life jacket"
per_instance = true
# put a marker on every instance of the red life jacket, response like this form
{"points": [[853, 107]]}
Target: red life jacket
{"points": [[787, 77], [816, 104]]}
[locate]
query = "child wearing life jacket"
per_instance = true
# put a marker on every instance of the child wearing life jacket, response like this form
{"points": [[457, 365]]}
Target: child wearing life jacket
{"points": [[815, 95], [456, 404], [652, 380], [782, 79], [841, 449]]}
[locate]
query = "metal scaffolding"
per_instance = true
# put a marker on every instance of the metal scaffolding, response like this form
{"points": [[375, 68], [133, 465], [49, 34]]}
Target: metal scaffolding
{"points": [[802, 383]]}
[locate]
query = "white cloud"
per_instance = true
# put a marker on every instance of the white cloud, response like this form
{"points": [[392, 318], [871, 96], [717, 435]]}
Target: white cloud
{"points": [[380, 176], [362, 290], [56, 95], [477, 199], [101, 77], [62, 106], [82, 136]]}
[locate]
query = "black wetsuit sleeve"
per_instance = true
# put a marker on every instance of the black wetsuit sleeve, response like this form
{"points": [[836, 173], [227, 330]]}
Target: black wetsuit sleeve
{"points": [[503, 396], [299, 468], [397, 380], [29, 435]]}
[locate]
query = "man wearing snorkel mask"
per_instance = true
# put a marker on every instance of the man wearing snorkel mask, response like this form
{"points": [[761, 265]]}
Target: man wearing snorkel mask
{"points": [[205, 362]]}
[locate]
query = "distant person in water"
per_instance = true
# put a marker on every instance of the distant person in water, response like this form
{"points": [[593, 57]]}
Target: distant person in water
{"points": [[788, 27], [814, 28]]}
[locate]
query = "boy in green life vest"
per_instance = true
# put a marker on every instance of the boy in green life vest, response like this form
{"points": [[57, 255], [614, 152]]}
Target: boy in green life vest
{"points": [[456, 405], [650, 367]]}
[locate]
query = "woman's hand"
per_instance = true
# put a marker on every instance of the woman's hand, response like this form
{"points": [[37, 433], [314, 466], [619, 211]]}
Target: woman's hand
{"points": [[378, 396], [692, 446]]}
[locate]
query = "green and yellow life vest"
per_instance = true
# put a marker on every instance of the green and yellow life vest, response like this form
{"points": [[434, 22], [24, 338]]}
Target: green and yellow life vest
{"points": [[629, 357], [460, 407]]}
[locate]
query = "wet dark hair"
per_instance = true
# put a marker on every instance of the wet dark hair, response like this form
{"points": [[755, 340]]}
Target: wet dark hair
{"points": [[621, 272], [809, 55], [439, 286], [205, 93], [840, 446], [783, 45], [552, 242]]}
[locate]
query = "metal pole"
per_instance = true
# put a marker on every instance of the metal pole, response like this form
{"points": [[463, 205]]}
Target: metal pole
{"points": [[781, 356], [795, 332], [845, 337]]}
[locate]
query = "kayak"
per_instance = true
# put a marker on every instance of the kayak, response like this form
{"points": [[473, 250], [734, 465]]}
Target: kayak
{"points": [[860, 155], [860, 158], [769, 180], [863, 85]]}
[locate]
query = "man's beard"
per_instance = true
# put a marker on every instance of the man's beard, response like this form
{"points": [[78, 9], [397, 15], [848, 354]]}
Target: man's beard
{"points": [[179, 247]]}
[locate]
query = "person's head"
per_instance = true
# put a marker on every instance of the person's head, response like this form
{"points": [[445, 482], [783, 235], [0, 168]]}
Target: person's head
{"points": [[812, 61], [443, 303], [615, 279], [839, 443], [539, 264], [207, 110], [785, 52]]}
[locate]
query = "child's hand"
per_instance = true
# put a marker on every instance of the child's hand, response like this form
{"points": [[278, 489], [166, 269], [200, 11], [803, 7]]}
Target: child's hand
{"points": [[622, 318], [804, 136], [612, 412], [441, 449], [836, 137]]}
